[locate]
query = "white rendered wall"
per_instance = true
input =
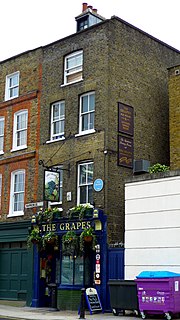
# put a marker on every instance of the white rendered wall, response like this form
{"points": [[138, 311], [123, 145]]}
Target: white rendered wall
{"points": [[152, 226]]}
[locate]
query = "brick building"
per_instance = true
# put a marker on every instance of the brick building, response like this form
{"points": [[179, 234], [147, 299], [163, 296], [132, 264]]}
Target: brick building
{"points": [[20, 87], [174, 116], [99, 102]]}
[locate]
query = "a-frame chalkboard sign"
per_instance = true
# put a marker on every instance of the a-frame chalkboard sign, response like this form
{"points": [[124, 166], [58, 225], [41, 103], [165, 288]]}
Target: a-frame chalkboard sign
{"points": [[93, 301]]}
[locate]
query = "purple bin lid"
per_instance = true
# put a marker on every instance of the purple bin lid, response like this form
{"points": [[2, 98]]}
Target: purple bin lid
{"points": [[157, 274]]}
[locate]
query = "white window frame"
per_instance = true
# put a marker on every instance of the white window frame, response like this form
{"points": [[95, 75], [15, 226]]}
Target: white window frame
{"points": [[10, 87], [88, 114], [14, 194], [0, 190], [17, 132], [2, 119], [61, 118], [86, 184], [75, 72]]}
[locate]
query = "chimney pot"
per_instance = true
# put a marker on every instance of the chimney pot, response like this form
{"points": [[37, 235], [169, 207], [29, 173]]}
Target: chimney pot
{"points": [[95, 10], [84, 6], [90, 7]]}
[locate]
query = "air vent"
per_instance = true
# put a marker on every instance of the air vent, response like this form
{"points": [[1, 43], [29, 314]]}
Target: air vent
{"points": [[177, 71], [141, 166]]}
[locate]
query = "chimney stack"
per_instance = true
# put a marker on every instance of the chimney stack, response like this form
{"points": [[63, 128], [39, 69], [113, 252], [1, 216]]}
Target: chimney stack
{"points": [[84, 6]]}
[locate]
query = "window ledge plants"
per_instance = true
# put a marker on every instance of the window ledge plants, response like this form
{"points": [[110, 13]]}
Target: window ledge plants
{"points": [[81, 211], [47, 215]]}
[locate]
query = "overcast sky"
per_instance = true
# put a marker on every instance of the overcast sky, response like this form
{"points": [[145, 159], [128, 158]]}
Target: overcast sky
{"points": [[26, 25]]}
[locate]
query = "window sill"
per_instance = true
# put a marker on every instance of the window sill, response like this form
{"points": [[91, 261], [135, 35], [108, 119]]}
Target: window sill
{"points": [[83, 133], [69, 83], [51, 141], [20, 148], [17, 214], [1, 152]]}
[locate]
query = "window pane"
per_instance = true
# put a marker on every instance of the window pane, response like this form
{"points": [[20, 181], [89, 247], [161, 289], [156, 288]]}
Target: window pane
{"points": [[79, 270], [55, 112], [90, 173], [84, 104], [1, 127], [91, 102], [91, 123], [19, 182], [85, 122], [56, 127], [83, 194], [82, 174], [67, 270]]}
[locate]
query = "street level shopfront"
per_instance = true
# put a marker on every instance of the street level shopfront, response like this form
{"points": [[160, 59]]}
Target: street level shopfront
{"points": [[71, 262]]}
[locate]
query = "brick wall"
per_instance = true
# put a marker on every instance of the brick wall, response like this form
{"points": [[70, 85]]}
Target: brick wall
{"points": [[174, 116]]}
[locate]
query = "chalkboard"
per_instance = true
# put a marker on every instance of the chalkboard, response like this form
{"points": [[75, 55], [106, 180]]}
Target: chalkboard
{"points": [[93, 300]]}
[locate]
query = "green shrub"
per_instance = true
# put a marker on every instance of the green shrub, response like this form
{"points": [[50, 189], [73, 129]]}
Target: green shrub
{"points": [[158, 168]]}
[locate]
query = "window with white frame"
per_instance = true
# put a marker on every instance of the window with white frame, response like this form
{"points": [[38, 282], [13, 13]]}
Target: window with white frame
{"points": [[12, 86], [17, 192], [0, 190], [1, 134], [85, 183], [87, 110], [73, 67], [57, 120], [20, 130]]}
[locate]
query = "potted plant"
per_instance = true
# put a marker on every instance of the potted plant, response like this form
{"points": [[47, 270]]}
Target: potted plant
{"points": [[50, 238], [69, 242], [87, 236], [34, 237]]}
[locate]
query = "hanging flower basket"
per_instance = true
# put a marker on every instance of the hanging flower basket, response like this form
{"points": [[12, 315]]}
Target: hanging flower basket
{"points": [[50, 238], [87, 235], [69, 243], [34, 237]]}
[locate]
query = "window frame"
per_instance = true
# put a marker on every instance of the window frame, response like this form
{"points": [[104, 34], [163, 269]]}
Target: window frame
{"points": [[9, 87], [60, 135], [2, 119], [75, 69], [87, 163], [89, 112], [16, 131], [13, 192]]}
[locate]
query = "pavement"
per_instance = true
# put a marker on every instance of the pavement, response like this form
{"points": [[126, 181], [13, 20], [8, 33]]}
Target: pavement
{"points": [[23, 312]]}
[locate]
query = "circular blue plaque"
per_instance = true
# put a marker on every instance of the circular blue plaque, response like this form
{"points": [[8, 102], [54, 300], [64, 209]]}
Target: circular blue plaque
{"points": [[98, 185]]}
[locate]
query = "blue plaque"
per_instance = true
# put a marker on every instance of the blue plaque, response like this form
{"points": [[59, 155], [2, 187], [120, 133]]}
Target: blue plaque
{"points": [[98, 185]]}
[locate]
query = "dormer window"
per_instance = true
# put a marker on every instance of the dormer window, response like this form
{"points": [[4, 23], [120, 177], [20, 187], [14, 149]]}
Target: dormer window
{"points": [[82, 24], [73, 67]]}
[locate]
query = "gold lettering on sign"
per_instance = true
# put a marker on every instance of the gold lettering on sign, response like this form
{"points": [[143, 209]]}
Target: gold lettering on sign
{"points": [[67, 226], [61, 226]]}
